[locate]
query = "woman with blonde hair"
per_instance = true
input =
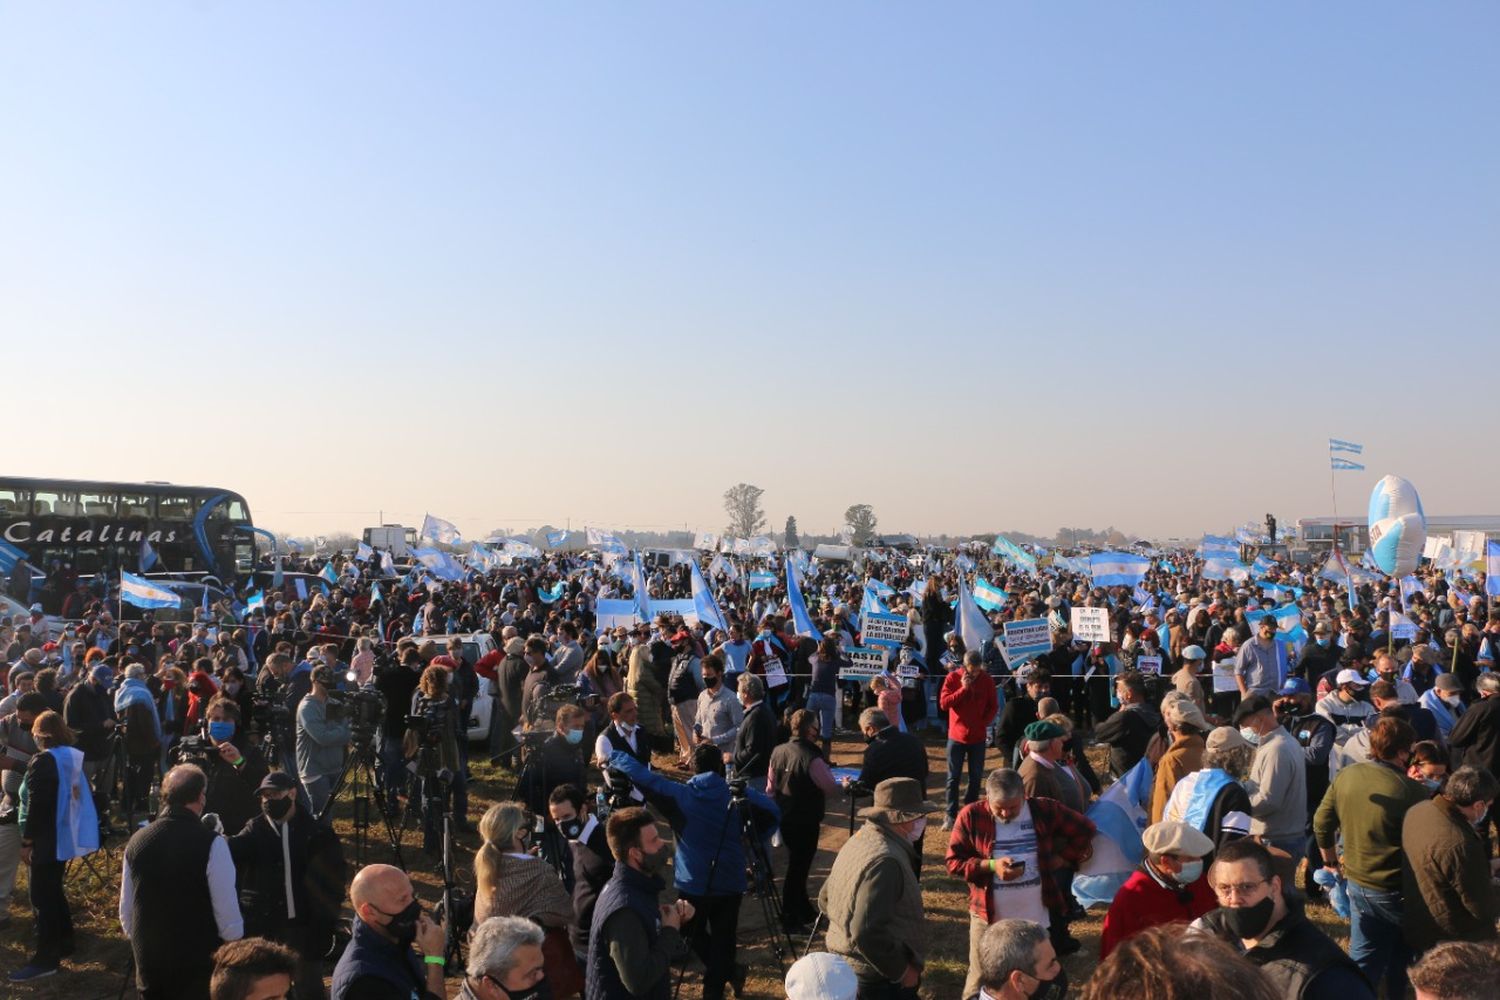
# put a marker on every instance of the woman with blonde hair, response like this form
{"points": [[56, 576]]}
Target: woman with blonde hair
{"points": [[510, 881]]}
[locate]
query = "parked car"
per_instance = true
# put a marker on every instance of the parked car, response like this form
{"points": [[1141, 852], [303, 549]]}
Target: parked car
{"points": [[476, 646]]}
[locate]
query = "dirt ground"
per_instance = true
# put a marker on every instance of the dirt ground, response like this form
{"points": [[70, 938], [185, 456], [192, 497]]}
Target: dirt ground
{"points": [[98, 970]]}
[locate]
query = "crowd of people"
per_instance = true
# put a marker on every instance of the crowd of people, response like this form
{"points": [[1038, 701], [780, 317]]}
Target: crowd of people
{"points": [[1336, 761]]}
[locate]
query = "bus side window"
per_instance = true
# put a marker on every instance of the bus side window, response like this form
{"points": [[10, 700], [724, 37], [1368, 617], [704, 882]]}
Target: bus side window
{"points": [[133, 505], [174, 508], [97, 504], [14, 502], [46, 502]]}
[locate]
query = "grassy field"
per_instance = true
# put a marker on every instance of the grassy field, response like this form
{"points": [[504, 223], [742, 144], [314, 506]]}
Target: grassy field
{"points": [[98, 969]]}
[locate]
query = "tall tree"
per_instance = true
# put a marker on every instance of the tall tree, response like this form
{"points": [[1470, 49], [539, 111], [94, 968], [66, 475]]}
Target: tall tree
{"points": [[791, 532], [742, 504], [861, 521]]}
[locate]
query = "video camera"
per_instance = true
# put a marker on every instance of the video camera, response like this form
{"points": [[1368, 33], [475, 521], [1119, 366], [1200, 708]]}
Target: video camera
{"points": [[545, 707], [618, 789], [365, 708], [195, 749]]}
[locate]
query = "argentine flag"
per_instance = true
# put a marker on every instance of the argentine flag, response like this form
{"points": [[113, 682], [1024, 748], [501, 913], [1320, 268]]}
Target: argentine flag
{"points": [[438, 531], [989, 596], [1007, 549], [1118, 569], [1334, 444], [1289, 626], [801, 620], [328, 574], [363, 552], [972, 627], [642, 595], [872, 602], [77, 822], [552, 595], [704, 603], [142, 593], [1120, 818], [1492, 569]]}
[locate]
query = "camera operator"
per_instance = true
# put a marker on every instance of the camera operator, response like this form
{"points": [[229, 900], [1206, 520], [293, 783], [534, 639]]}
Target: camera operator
{"points": [[16, 750], [291, 875], [622, 735], [274, 688], [379, 963], [399, 685], [592, 863], [433, 744], [322, 737], [634, 939], [539, 676], [710, 868], [234, 766], [558, 761]]}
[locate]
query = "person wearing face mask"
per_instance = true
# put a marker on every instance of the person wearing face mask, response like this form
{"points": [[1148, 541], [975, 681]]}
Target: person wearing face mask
{"points": [[90, 713], [872, 899], [1168, 887], [291, 878], [623, 735], [593, 864], [1017, 962], [1345, 705], [1319, 656], [1367, 804], [1021, 711], [379, 963], [634, 939], [1278, 777], [237, 771], [1447, 875], [1446, 703], [559, 761], [1260, 667], [505, 962], [1266, 923], [177, 892]]}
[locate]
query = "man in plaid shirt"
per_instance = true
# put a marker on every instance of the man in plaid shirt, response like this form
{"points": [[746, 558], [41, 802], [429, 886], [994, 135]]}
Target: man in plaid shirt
{"points": [[1009, 849]]}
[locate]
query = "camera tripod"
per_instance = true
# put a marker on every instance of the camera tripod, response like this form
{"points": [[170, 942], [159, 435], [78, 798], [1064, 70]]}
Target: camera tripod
{"points": [[358, 774], [436, 786]]}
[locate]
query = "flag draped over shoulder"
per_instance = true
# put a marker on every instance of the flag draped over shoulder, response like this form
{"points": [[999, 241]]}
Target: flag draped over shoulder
{"points": [[1121, 817]]}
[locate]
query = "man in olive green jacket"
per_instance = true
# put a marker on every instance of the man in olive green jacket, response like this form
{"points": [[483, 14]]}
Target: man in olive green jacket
{"points": [[872, 898]]}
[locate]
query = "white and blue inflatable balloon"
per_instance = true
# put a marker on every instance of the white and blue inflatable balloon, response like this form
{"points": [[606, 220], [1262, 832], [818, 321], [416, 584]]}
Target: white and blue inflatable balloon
{"points": [[1398, 526]]}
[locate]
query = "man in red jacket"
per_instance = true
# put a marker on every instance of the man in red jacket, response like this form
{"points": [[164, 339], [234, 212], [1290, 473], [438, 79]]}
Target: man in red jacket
{"points": [[968, 696], [1009, 849], [1169, 887]]}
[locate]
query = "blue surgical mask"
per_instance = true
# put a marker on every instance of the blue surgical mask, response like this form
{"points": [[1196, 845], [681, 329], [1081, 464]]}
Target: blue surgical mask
{"points": [[1250, 735], [220, 731], [1191, 870], [575, 736], [1324, 641]]}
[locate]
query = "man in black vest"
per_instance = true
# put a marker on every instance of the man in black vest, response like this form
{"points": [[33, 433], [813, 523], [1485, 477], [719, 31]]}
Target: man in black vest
{"points": [[177, 898], [801, 782], [291, 871], [634, 940], [593, 864], [623, 734], [379, 963]]}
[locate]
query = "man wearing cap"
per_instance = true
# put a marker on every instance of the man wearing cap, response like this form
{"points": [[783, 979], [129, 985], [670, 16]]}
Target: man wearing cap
{"points": [[1278, 777], [872, 899], [1319, 656], [320, 740], [1343, 706], [291, 879], [1010, 848], [1187, 726], [1186, 681], [1039, 768], [1445, 702], [1260, 666], [1169, 887]]}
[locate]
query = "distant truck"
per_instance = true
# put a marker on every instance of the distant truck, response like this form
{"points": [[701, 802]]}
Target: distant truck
{"points": [[394, 538]]}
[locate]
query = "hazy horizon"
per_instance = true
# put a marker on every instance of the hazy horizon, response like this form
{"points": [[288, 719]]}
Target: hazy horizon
{"points": [[984, 267]]}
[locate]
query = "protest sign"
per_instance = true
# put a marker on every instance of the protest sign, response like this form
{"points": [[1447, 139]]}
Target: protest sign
{"points": [[683, 607], [615, 613], [1224, 681], [1026, 639], [883, 628], [1091, 624], [864, 662], [1148, 664]]}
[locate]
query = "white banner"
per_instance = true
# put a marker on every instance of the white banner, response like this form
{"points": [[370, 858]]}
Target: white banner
{"points": [[864, 662], [1091, 625]]}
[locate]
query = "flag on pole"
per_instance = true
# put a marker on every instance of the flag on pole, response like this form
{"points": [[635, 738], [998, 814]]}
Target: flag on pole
{"points": [[363, 552], [1492, 569], [438, 531], [328, 574], [1334, 444], [255, 600], [148, 555], [642, 595], [1118, 569], [142, 593], [973, 627], [872, 603], [704, 603], [801, 620], [1344, 465]]}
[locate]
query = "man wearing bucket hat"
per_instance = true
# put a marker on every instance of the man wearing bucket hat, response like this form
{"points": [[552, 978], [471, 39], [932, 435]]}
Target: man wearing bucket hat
{"points": [[872, 899], [1169, 886]]}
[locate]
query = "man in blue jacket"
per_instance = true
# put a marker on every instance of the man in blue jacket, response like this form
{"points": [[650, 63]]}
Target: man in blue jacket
{"points": [[709, 871]]}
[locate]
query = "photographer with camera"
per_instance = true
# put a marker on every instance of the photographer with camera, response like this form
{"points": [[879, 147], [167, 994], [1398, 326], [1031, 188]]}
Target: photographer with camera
{"points": [[622, 735], [322, 735], [592, 863], [432, 741], [275, 708], [291, 877], [710, 868], [234, 766], [558, 761]]}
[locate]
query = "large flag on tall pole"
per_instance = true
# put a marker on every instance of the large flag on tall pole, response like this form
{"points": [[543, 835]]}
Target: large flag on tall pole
{"points": [[142, 593], [438, 531], [801, 620], [642, 596], [704, 603]]}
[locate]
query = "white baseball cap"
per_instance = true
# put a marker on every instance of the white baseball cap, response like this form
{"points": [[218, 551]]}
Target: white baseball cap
{"points": [[1347, 676]]}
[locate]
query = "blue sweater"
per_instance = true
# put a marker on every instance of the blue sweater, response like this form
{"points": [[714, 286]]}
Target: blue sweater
{"points": [[702, 812]]}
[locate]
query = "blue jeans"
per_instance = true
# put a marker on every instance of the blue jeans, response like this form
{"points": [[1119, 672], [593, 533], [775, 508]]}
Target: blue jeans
{"points": [[1375, 940], [958, 753], [822, 705]]}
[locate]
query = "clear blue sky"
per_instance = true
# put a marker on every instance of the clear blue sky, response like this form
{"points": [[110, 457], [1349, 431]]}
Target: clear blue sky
{"points": [[980, 265]]}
